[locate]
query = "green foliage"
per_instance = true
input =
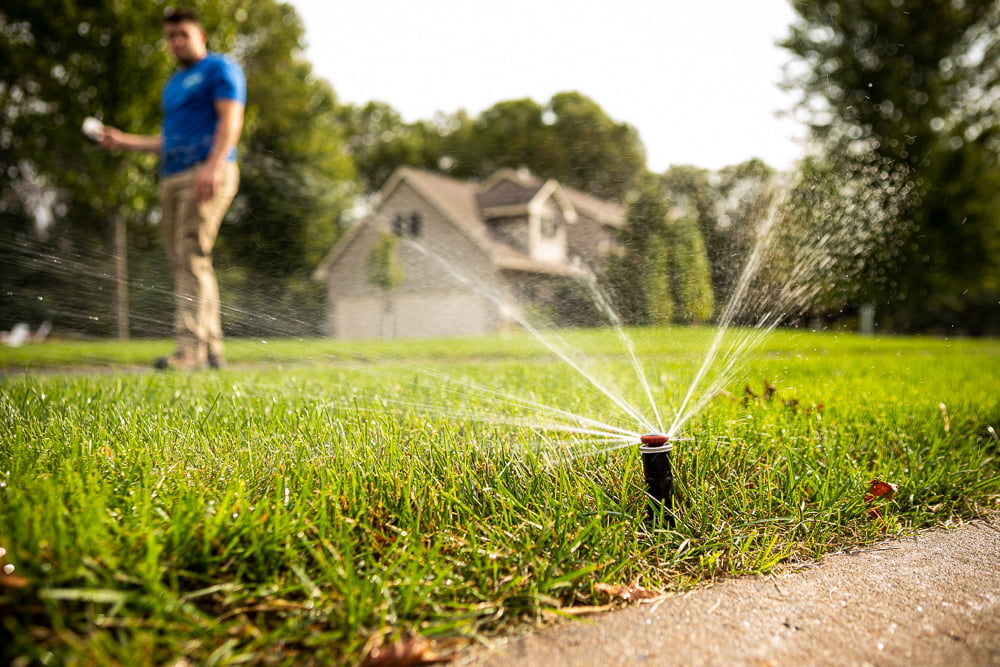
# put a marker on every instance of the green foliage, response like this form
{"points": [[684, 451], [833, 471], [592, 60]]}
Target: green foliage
{"points": [[380, 142], [382, 264], [656, 285], [914, 84], [107, 59], [296, 174], [58, 67], [846, 216], [569, 139], [728, 209], [296, 180], [691, 273], [664, 275]]}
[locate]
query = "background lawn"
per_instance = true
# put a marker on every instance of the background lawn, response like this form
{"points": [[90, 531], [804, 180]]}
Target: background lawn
{"points": [[317, 497]]}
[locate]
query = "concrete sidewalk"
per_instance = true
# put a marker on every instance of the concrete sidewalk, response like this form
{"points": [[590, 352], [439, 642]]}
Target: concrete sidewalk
{"points": [[933, 599]]}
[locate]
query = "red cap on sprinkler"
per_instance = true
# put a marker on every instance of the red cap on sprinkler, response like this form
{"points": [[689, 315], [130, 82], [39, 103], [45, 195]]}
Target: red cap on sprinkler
{"points": [[654, 439]]}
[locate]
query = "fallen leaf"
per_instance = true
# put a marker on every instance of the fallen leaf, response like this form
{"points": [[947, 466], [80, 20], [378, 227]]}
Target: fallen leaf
{"points": [[628, 593], [410, 651], [879, 489]]}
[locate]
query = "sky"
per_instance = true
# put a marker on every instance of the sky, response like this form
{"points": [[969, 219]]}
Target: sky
{"points": [[697, 79]]}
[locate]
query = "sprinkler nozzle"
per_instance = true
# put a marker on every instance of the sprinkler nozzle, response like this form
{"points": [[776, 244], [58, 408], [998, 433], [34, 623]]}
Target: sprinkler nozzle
{"points": [[655, 450], [654, 439]]}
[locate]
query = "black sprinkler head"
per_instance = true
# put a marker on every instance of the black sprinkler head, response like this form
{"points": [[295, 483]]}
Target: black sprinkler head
{"points": [[655, 450]]}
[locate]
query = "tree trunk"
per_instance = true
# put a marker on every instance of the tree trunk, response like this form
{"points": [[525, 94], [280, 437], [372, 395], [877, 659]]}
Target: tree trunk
{"points": [[119, 253]]}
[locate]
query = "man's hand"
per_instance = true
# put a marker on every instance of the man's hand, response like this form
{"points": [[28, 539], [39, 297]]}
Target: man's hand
{"points": [[206, 183], [111, 137]]}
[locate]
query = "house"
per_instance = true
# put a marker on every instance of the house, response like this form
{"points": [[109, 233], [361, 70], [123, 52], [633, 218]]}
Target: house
{"points": [[470, 255]]}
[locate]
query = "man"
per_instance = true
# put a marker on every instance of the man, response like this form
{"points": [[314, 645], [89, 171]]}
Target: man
{"points": [[202, 119]]}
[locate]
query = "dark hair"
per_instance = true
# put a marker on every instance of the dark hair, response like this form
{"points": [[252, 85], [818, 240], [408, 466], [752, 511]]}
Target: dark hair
{"points": [[177, 15]]}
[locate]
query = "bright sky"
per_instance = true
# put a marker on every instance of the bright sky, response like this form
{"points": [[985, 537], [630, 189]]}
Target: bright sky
{"points": [[698, 79]]}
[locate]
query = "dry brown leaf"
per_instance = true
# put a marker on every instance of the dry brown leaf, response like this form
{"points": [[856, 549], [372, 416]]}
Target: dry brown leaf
{"points": [[410, 651], [879, 489], [635, 592]]}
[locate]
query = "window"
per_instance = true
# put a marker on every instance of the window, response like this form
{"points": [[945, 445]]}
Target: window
{"points": [[408, 227], [550, 225]]}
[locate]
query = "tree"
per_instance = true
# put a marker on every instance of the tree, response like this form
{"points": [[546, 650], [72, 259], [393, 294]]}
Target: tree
{"points": [[663, 275], [105, 59], [914, 83], [657, 291], [569, 139], [383, 270], [380, 141], [726, 208], [296, 180], [691, 276], [57, 67], [600, 156]]}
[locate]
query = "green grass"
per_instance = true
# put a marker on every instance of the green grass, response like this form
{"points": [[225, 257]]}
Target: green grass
{"points": [[318, 497]]}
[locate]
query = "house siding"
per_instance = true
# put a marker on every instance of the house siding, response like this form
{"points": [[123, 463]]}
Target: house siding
{"points": [[438, 295], [443, 313], [592, 242]]}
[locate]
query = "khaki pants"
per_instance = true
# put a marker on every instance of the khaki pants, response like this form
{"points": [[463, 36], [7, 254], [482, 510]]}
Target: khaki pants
{"points": [[190, 228]]}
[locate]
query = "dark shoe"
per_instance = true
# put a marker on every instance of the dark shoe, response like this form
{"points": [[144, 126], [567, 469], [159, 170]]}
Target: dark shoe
{"points": [[174, 363]]}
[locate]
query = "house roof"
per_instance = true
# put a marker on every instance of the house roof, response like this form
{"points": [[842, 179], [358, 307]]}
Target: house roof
{"points": [[496, 193], [605, 212], [510, 187]]}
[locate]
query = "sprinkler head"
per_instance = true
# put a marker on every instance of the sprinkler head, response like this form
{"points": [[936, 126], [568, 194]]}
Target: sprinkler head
{"points": [[655, 450], [654, 439]]}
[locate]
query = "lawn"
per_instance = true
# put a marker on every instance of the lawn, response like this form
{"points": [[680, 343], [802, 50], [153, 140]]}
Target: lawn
{"points": [[319, 498]]}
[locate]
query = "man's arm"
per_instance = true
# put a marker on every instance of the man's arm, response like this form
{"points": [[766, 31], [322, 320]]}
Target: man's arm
{"points": [[227, 134], [112, 137]]}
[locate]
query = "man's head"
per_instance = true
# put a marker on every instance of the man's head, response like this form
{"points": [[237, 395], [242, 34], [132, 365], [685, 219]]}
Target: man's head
{"points": [[185, 36]]}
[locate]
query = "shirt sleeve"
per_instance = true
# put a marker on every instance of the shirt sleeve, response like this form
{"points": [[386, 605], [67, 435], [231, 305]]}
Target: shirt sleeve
{"points": [[231, 83]]}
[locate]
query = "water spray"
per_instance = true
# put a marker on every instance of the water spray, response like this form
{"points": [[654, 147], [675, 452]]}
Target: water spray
{"points": [[655, 449]]}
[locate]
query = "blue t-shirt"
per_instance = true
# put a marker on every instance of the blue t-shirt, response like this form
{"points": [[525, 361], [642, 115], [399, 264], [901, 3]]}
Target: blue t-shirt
{"points": [[189, 117]]}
